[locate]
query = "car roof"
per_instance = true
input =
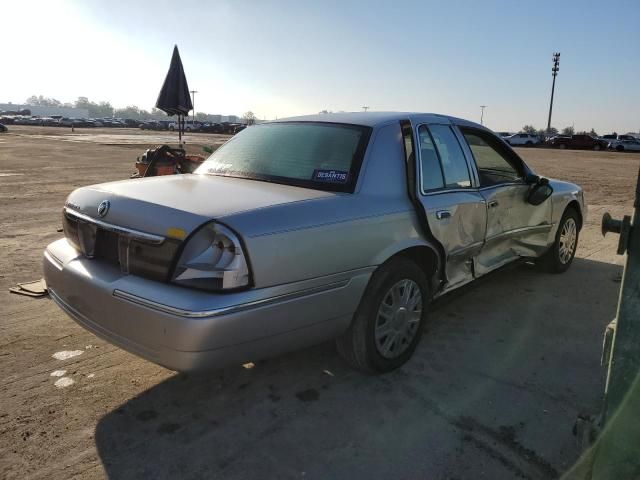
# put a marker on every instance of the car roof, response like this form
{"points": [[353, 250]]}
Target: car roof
{"points": [[374, 119]]}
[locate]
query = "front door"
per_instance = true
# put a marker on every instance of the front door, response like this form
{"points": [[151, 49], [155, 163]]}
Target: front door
{"points": [[515, 228], [455, 210]]}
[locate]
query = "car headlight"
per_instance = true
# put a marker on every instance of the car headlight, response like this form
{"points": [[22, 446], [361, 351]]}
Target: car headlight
{"points": [[212, 259]]}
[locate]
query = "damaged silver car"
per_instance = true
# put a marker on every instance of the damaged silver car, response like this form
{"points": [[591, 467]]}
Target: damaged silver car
{"points": [[338, 226]]}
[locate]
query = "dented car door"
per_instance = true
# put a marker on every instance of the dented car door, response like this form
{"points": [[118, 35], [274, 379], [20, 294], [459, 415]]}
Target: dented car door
{"points": [[515, 228], [455, 210]]}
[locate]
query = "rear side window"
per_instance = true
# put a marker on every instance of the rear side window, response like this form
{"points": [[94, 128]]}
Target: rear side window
{"points": [[432, 177], [443, 163]]}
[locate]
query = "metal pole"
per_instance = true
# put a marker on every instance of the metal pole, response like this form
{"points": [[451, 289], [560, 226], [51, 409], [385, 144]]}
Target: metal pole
{"points": [[554, 73], [482, 107], [193, 103]]}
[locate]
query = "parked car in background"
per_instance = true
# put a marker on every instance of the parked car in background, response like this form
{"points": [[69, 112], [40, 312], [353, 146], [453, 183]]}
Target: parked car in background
{"points": [[503, 134], [611, 137], [189, 126], [131, 123], [627, 137], [527, 139], [3, 128], [632, 145], [211, 128], [303, 230], [152, 125], [48, 122], [66, 121], [578, 141]]}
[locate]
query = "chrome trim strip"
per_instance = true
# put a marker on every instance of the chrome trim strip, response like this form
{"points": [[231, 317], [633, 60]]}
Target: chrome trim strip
{"points": [[180, 312], [515, 231], [135, 234], [466, 248], [53, 259]]}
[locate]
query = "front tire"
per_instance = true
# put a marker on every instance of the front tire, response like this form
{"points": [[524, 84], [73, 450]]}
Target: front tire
{"points": [[559, 257], [596, 147], [620, 148], [562, 146], [388, 323]]}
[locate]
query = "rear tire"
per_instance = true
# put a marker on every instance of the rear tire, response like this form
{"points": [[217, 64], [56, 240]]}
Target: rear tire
{"points": [[596, 147], [559, 257], [388, 323], [620, 148], [562, 146]]}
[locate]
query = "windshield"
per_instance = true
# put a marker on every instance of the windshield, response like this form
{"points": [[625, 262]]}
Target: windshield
{"points": [[325, 156]]}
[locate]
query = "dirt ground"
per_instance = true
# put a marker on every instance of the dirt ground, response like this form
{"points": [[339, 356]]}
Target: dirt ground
{"points": [[493, 390]]}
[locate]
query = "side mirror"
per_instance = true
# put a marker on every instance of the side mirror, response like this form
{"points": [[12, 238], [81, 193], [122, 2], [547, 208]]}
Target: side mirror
{"points": [[539, 193], [533, 179]]}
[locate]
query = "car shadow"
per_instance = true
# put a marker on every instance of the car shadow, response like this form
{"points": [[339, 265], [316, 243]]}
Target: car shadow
{"points": [[501, 373]]}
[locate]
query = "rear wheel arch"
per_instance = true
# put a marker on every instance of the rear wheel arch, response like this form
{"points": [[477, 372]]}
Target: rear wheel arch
{"points": [[424, 256]]}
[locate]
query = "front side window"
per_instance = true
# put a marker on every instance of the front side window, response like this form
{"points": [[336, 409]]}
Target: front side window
{"points": [[324, 156], [493, 166]]}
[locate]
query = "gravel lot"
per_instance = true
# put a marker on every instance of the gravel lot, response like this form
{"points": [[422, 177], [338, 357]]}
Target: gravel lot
{"points": [[503, 370]]}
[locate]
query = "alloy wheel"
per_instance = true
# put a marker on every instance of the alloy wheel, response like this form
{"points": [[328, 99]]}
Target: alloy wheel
{"points": [[568, 237], [398, 318]]}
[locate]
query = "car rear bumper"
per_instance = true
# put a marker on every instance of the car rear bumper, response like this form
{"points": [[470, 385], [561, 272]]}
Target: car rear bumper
{"points": [[185, 329]]}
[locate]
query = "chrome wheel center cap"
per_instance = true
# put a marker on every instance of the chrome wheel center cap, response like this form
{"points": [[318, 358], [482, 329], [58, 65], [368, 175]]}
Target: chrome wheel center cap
{"points": [[400, 318]]}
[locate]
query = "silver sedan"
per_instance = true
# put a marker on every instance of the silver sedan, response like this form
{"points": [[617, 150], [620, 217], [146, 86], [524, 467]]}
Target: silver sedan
{"points": [[338, 226]]}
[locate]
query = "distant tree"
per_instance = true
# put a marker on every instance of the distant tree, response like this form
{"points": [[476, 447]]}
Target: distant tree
{"points": [[158, 114], [529, 129], [568, 131], [552, 131], [44, 101], [132, 111], [249, 118], [593, 133], [96, 110], [325, 112]]}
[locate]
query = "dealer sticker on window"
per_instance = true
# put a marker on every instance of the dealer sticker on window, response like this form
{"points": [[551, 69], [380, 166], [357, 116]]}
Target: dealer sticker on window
{"points": [[330, 176]]}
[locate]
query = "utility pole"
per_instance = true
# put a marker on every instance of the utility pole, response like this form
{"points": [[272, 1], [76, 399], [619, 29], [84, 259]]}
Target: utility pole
{"points": [[365, 108], [554, 73], [482, 107], [193, 102]]}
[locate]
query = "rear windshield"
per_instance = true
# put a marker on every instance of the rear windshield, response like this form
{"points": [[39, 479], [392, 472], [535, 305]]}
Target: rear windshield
{"points": [[325, 156]]}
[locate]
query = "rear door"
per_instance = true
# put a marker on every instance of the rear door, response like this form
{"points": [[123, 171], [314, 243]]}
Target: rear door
{"points": [[515, 228], [456, 211]]}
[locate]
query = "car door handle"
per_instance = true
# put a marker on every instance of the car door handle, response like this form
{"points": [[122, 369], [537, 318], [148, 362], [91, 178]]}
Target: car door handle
{"points": [[442, 214], [493, 204]]}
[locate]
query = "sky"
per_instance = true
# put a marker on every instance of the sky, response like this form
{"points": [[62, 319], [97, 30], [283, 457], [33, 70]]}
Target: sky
{"points": [[285, 58]]}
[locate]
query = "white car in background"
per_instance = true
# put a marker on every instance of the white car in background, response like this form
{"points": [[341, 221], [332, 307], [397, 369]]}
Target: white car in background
{"points": [[626, 145], [522, 139], [189, 126]]}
